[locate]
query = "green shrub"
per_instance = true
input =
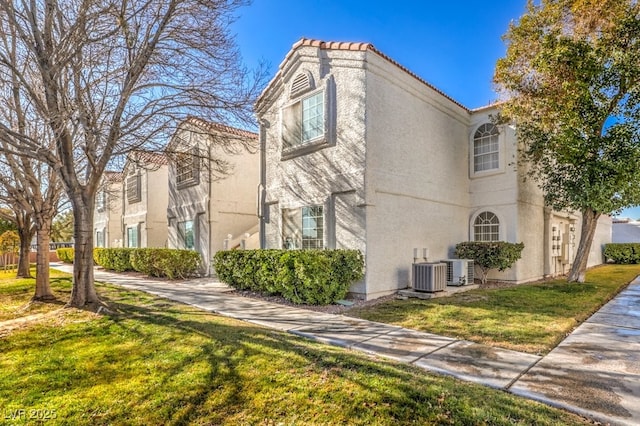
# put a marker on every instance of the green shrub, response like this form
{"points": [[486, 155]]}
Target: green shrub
{"points": [[170, 263], [315, 277], [622, 253], [114, 259], [65, 254], [498, 255]]}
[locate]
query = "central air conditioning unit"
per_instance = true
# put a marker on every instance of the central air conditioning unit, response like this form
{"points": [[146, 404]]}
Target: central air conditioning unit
{"points": [[459, 271], [429, 277]]}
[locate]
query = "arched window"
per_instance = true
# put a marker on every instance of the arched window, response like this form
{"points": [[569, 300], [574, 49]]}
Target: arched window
{"points": [[486, 227], [485, 148]]}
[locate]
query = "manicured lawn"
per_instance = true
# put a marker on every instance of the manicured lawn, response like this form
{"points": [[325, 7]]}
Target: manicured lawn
{"points": [[155, 362], [530, 318], [16, 293]]}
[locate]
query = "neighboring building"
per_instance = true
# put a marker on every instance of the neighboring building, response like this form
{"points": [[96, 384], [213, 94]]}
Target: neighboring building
{"points": [[360, 153], [145, 196], [107, 222], [212, 188], [626, 231]]}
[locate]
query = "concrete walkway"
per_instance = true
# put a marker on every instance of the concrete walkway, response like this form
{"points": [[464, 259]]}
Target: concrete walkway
{"points": [[594, 372]]}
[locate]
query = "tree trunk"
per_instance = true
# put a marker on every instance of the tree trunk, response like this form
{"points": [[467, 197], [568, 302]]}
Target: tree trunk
{"points": [[83, 291], [43, 285], [589, 224], [26, 234]]}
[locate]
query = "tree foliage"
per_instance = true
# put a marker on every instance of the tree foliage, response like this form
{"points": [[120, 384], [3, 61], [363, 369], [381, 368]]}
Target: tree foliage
{"points": [[62, 227], [498, 255], [571, 82]]}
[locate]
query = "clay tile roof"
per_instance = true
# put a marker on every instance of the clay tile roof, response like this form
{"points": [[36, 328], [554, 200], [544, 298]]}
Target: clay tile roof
{"points": [[217, 127], [353, 46], [151, 157], [113, 176]]}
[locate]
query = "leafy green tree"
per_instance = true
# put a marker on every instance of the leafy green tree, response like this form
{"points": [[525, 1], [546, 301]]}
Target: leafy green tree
{"points": [[62, 227], [571, 83]]}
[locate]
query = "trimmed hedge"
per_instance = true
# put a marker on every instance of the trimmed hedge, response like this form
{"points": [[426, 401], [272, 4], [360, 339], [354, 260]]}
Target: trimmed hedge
{"points": [[65, 254], [114, 259], [622, 253], [155, 262], [170, 263], [313, 277], [499, 255]]}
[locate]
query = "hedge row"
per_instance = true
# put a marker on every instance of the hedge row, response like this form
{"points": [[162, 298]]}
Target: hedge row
{"points": [[624, 253], [155, 262], [314, 277], [65, 254]]}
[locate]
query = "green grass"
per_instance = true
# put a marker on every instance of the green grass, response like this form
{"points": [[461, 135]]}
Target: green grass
{"points": [[15, 294], [531, 318], [156, 362]]}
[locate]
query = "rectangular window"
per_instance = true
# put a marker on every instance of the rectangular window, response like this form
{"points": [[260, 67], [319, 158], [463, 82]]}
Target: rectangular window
{"points": [[132, 236], [99, 238], [134, 193], [101, 201], [303, 228], [313, 117], [307, 125], [187, 170], [186, 234]]}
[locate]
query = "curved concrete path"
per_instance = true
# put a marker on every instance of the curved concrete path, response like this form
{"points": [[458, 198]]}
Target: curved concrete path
{"points": [[594, 372]]}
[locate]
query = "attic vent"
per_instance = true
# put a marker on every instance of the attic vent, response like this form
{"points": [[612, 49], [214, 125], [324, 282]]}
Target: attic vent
{"points": [[301, 84]]}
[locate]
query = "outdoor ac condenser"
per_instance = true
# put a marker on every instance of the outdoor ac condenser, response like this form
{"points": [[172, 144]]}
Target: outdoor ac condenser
{"points": [[429, 277], [459, 271]]}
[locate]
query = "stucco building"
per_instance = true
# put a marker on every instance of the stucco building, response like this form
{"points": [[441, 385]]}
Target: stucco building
{"points": [[145, 197], [358, 152], [212, 179], [107, 217]]}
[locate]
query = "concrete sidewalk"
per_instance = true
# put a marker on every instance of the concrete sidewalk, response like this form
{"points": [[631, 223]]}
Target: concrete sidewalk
{"points": [[594, 372]]}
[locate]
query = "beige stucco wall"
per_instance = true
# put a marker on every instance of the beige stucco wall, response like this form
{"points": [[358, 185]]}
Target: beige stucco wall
{"points": [[220, 204], [417, 189], [400, 173], [150, 212], [110, 219], [332, 176]]}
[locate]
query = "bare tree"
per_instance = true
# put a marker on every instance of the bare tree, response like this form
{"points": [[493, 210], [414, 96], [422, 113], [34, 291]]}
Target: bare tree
{"points": [[34, 192], [24, 227], [109, 76]]}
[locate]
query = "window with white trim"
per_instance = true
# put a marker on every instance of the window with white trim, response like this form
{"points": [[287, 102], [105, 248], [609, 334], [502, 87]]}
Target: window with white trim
{"points": [[100, 238], [303, 228], [307, 123], [486, 148], [101, 201], [186, 235], [486, 227], [312, 117], [132, 236]]}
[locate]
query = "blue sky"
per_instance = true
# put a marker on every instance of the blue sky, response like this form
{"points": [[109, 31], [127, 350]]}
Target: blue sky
{"points": [[451, 45]]}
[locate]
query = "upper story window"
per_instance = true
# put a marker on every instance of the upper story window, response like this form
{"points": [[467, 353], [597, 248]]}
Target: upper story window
{"points": [[486, 148], [134, 192], [312, 117], [101, 201], [307, 123], [187, 170], [486, 227]]}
